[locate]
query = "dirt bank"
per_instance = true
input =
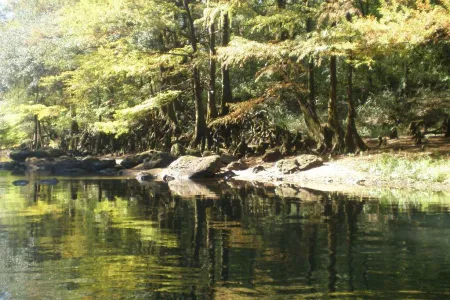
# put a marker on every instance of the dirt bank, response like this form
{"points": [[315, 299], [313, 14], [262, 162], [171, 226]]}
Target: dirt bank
{"points": [[348, 173]]}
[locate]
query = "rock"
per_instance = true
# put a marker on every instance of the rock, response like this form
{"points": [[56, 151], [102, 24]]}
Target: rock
{"points": [[193, 152], [39, 164], [20, 182], [95, 165], [55, 152], [258, 169], [207, 153], [52, 181], [272, 155], [287, 166], [144, 176], [227, 159], [159, 160], [22, 155], [187, 167], [65, 163], [308, 161], [133, 160], [10, 165], [168, 178], [177, 150], [236, 166]]}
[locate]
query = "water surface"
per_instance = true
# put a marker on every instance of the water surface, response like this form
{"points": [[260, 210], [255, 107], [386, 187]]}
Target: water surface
{"points": [[93, 238]]}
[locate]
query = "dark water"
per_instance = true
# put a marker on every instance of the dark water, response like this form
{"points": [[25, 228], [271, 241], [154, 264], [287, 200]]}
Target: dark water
{"points": [[117, 239]]}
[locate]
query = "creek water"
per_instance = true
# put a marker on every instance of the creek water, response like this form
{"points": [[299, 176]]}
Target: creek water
{"points": [[94, 238]]}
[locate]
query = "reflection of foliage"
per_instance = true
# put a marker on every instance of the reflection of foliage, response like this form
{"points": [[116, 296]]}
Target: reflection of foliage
{"points": [[106, 239]]}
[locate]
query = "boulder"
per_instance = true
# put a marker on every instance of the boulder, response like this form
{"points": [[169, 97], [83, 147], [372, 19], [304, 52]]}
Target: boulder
{"points": [[133, 160], [299, 163], [39, 164], [236, 166], [10, 165], [177, 150], [308, 161], [227, 159], [287, 166], [193, 152], [258, 169], [159, 160], [208, 153], [65, 163], [272, 155], [22, 155], [95, 165], [188, 167]]}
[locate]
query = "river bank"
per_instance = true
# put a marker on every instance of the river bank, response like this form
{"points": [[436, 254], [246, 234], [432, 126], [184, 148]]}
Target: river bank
{"points": [[397, 164]]}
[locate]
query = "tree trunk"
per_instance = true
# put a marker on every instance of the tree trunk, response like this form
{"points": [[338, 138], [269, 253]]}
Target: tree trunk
{"points": [[212, 110], [226, 84], [311, 83], [312, 121], [200, 121], [37, 137], [352, 139], [172, 115], [337, 135]]}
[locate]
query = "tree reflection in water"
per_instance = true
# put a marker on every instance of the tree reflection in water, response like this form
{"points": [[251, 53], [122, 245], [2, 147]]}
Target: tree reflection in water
{"points": [[116, 238]]}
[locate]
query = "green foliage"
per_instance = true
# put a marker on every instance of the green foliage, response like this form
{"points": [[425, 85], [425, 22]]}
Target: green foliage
{"points": [[423, 168], [160, 100], [110, 66]]}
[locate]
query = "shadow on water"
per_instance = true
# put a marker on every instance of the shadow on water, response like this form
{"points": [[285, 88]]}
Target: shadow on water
{"points": [[117, 239]]}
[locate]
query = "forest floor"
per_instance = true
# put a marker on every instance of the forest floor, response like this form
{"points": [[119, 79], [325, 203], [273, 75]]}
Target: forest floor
{"points": [[377, 167]]}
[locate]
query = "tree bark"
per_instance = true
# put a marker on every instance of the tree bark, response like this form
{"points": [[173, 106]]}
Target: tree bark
{"points": [[312, 121], [200, 120], [36, 136], [352, 139], [311, 83], [212, 110], [337, 136], [226, 84]]}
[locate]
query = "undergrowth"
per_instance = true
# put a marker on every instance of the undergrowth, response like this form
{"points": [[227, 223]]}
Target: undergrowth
{"points": [[418, 168]]}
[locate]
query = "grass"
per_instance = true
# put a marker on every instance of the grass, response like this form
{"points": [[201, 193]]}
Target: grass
{"points": [[417, 168]]}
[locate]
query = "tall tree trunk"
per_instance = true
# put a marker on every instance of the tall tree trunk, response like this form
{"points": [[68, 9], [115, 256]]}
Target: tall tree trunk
{"points": [[212, 110], [36, 136], [336, 141], [311, 83], [200, 120], [283, 35], [226, 84], [312, 121], [352, 139], [74, 130]]}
